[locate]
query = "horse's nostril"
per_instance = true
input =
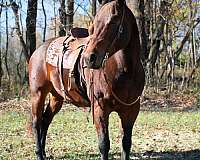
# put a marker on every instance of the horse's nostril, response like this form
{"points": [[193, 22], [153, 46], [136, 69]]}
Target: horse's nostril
{"points": [[93, 58]]}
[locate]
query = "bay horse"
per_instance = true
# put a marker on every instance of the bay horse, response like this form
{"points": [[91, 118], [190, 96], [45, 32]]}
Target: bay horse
{"points": [[112, 74]]}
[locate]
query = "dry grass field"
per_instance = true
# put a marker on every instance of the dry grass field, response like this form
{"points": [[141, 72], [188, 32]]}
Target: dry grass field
{"points": [[159, 133]]}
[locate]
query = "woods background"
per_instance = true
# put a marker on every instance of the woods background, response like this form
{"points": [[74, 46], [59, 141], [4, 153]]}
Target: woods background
{"points": [[169, 35]]}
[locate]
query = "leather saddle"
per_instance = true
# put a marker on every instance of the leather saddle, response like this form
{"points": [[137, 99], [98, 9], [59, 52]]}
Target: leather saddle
{"points": [[67, 48], [63, 53]]}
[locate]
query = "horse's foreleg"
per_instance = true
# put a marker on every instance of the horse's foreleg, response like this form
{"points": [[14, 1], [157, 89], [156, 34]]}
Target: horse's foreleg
{"points": [[128, 118], [37, 110], [101, 124], [53, 107]]}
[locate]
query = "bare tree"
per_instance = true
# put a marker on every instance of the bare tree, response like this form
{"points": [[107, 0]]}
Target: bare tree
{"points": [[45, 21], [6, 52], [1, 69], [55, 22], [31, 26], [157, 37], [63, 18], [139, 10], [15, 9], [94, 7], [70, 14]]}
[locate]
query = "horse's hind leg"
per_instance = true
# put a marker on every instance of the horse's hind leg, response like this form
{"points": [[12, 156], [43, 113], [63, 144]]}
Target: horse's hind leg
{"points": [[38, 99], [128, 117], [53, 107]]}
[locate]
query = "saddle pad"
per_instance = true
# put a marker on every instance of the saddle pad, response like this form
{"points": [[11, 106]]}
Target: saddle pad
{"points": [[55, 53]]}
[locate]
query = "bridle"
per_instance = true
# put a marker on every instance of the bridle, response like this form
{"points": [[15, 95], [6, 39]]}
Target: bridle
{"points": [[119, 32]]}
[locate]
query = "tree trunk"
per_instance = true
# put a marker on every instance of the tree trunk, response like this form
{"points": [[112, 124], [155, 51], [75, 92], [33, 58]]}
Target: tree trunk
{"points": [[157, 37], [1, 69], [148, 19], [54, 12], [138, 11], [31, 26], [15, 9], [45, 21], [70, 14], [19, 74], [63, 18], [6, 53], [94, 8], [193, 71]]}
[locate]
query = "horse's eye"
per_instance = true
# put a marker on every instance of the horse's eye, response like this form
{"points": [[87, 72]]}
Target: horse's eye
{"points": [[114, 20], [112, 23]]}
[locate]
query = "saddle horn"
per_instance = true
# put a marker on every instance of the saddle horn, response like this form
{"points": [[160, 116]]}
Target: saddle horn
{"points": [[102, 2]]}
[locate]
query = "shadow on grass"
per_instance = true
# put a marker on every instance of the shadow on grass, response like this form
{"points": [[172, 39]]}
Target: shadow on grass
{"points": [[171, 155], [149, 155]]}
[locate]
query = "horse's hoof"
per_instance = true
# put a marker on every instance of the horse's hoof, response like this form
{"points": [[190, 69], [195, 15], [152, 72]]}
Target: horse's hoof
{"points": [[40, 158], [44, 155]]}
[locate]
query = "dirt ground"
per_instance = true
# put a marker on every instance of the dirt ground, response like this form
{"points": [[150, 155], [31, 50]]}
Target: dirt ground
{"points": [[151, 102]]}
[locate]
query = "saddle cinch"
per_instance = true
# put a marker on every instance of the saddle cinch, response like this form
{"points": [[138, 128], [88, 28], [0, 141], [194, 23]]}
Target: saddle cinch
{"points": [[63, 53]]}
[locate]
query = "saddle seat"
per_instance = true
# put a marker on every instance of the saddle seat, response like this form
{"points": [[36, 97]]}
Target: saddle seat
{"points": [[63, 53]]}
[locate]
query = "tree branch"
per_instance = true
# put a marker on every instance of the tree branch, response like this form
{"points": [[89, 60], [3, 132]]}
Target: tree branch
{"points": [[186, 37]]}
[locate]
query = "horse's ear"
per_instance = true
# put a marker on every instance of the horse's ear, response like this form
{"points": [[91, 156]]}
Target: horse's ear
{"points": [[121, 2]]}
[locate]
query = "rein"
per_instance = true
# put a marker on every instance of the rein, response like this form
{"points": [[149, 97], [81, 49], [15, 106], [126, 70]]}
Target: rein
{"points": [[91, 92], [116, 97]]}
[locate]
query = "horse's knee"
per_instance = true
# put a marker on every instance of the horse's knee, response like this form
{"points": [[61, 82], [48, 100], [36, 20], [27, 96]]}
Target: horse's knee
{"points": [[37, 100]]}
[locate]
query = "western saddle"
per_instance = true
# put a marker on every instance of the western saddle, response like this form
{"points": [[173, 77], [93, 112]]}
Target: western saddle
{"points": [[64, 54]]}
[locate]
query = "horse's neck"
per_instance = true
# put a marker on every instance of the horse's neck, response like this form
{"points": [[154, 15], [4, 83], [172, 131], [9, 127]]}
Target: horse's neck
{"points": [[129, 57], [131, 53]]}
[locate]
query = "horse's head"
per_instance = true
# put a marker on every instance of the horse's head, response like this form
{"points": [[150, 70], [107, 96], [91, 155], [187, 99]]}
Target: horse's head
{"points": [[108, 33]]}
